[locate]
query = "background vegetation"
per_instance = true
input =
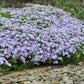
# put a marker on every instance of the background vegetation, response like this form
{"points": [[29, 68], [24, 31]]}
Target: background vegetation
{"points": [[76, 7]]}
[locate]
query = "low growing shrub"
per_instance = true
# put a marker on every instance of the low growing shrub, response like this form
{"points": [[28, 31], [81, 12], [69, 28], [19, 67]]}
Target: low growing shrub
{"points": [[28, 38]]}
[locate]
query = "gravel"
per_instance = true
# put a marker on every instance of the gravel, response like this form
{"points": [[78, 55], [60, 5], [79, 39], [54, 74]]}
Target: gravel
{"points": [[69, 74]]}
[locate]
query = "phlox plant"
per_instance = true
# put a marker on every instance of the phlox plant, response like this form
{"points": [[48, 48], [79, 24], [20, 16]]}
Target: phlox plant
{"points": [[32, 37]]}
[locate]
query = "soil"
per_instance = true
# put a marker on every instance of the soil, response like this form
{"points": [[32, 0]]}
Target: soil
{"points": [[15, 3], [22, 72]]}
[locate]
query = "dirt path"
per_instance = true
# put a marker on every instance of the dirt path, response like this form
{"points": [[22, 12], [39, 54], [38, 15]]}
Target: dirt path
{"points": [[22, 72]]}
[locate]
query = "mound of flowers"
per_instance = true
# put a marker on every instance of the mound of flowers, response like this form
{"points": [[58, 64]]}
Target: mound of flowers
{"points": [[39, 33]]}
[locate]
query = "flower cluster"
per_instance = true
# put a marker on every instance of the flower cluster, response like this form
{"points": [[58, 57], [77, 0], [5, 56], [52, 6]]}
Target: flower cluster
{"points": [[46, 32]]}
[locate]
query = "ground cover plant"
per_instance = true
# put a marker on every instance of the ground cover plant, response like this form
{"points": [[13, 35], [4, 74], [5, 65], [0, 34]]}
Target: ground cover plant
{"points": [[39, 34]]}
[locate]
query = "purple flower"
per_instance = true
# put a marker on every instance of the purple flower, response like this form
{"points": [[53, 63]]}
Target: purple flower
{"points": [[50, 34]]}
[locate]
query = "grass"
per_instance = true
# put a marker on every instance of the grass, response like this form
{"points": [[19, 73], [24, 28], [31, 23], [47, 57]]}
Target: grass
{"points": [[2, 4]]}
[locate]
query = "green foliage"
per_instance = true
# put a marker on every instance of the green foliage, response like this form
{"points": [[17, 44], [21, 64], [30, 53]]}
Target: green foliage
{"points": [[74, 58], [7, 15], [17, 64], [45, 26], [18, 4], [2, 5], [48, 62], [80, 14], [37, 34], [33, 19], [4, 68], [0, 24], [19, 30], [40, 42]]}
